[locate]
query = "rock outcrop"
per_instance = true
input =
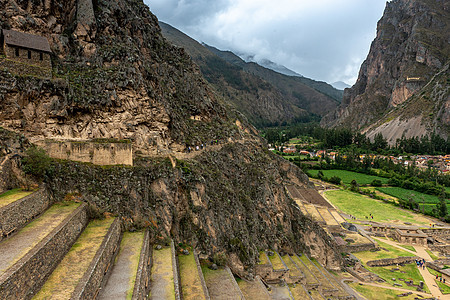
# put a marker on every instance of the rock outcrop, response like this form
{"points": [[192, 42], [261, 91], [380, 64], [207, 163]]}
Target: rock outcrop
{"points": [[402, 87], [118, 78]]}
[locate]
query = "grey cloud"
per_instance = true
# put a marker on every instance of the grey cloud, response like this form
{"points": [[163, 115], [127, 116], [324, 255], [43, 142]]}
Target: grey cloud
{"points": [[325, 41]]}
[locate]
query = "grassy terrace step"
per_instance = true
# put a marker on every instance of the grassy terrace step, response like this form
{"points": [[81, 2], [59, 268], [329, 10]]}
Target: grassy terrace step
{"points": [[162, 280], [313, 212], [310, 278], [17, 246], [12, 196], [221, 284], [253, 289], [277, 262], [315, 295], [329, 219], [331, 278], [324, 283], [337, 216], [121, 282], [293, 270], [190, 278], [63, 281], [299, 292]]}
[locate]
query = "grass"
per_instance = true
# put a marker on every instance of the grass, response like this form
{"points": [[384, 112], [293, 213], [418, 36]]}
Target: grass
{"points": [[387, 251], [11, 196], [373, 292], [411, 272], [37, 230], [263, 258], [406, 194], [64, 279], [277, 264], [348, 176], [298, 291], [445, 289], [432, 255], [191, 285], [162, 272], [361, 206], [132, 241], [310, 279], [293, 270], [410, 248]]}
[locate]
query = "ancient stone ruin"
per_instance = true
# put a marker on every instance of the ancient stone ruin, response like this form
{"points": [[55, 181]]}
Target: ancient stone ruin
{"points": [[25, 54]]}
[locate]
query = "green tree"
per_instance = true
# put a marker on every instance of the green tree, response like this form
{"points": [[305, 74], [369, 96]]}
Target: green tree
{"points": [[36, 162], [442, 205]]}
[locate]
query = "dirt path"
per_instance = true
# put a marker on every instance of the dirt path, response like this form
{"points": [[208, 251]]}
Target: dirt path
{"points": [[220, 285], [119, 284], [427, 276], [18, 245], [162, 282]]}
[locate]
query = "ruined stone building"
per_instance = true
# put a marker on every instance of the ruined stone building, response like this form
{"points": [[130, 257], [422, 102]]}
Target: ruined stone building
{"points": [[25, 54]]}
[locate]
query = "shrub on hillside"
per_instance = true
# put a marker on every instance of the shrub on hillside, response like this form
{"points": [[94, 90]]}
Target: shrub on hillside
{"points": [[36, 162], [376, 182]]}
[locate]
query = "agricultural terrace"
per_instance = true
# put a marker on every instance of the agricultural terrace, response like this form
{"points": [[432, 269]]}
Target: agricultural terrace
{"points": [[428, 202], [12, 196], [348, 176], [362, 206]]}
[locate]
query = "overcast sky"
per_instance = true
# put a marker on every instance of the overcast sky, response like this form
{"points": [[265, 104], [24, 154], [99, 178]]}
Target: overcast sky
{"points": [[321, 39]]}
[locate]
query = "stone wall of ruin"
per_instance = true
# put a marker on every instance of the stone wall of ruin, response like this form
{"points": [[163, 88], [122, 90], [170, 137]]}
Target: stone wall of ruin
{"points": [[142, 283], [91, 152], [35, 59], [392, 261]]}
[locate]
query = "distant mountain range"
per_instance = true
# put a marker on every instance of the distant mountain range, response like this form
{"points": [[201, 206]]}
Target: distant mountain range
{"points": [[266, 63], [264, 96], [340, 85]]}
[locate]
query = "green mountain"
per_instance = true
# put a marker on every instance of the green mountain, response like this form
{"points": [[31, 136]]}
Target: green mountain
{"points": [[264, 96]]}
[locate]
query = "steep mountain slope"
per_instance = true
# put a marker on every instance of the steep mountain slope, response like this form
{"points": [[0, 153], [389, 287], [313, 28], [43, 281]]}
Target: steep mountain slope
{"points": [[115, 76], [257, 99], [317, 96], [267, 98], [403, 85]]}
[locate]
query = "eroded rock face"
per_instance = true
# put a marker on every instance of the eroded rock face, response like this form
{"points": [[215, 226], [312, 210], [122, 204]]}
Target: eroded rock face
{"points": [[229, 200], [114, 77], [411, 47], [133, 85]]}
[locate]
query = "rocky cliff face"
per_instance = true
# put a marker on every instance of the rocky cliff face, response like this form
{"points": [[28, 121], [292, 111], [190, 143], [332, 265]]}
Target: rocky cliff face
{"points": [[114, 76], [405, 68]]}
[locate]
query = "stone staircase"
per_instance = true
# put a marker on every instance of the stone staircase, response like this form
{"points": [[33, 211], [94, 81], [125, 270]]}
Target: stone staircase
{"points": [[54, 251]]}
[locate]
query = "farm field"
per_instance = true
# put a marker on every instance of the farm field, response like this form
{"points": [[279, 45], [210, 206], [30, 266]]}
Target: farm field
{"points": [[429, 201], [405, 194], [362, 206], [348, 176]]}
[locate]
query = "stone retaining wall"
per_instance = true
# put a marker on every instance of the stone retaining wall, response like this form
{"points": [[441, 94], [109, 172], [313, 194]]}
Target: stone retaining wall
{"points": [[90, 284], [141, 285], [175, 269], [98, 153], [15, 215], [392, 261], [26, 277], [200, 273], [357, 248]]}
